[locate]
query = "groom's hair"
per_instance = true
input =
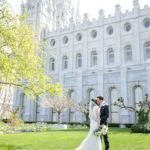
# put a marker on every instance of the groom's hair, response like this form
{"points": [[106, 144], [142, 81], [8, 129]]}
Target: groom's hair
{"points": [[100, 98]]}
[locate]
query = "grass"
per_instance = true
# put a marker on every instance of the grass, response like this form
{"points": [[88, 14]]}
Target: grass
{"points": [[120, 139]]}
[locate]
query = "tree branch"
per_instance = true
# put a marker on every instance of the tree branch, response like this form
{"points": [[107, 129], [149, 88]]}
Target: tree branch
{"points": [[122, 105]]}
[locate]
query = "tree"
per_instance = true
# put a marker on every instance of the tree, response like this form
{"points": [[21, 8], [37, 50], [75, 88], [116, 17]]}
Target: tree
{"points": [[15, 119], [59, 104], [142, 125], [83, 108], [143, 111], [22, 58]]}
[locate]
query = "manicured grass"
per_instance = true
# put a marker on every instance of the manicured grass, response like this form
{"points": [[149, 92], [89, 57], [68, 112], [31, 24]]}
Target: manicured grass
{"points": [[120, 139]]}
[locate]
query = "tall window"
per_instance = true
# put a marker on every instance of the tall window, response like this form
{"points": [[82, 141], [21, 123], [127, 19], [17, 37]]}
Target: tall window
{"points": [[147, 50], [65, 62], [114, 109], [110, 56], [94, 58], [138, 94], [22, 104], [91, 94], [52, 64], [72, 110], [37, 109], [128, 53], [54, 115], [79, 60]]}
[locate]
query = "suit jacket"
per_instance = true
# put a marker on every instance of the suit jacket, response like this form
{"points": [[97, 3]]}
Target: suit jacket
{"points": [[104, 113]]}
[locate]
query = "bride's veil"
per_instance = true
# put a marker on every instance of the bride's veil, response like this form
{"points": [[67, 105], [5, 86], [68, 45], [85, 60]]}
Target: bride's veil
{"points": [[91, 107]]}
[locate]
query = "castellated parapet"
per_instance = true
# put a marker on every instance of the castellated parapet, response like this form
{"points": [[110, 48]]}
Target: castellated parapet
{"points": [[104, 21]]}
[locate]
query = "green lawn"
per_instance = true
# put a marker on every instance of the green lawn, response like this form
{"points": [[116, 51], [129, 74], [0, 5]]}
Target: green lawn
{"points": [[120, 139]]}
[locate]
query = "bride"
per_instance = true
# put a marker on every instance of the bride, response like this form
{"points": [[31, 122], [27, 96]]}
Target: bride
{"points": [[92, 142]]}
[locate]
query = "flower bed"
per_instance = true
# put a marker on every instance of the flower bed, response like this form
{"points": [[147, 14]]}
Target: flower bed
{"points": [[35, 127]]}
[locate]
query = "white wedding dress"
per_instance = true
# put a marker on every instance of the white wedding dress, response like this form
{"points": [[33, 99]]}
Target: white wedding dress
{"points": [[92, 142]]}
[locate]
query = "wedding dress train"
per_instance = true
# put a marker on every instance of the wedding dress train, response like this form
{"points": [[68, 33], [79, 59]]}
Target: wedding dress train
{"points": [[92, 142]]}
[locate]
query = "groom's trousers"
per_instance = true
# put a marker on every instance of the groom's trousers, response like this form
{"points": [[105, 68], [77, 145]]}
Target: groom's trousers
{"points": [[106, 141]]}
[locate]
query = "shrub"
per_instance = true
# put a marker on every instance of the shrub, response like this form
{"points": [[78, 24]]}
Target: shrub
{"points": [[143, 117], [16, 122], [141, 128], [87, 123]]}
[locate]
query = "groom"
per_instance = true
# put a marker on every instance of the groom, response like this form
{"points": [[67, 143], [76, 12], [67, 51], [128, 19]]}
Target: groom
{"points": [[104, 114]]}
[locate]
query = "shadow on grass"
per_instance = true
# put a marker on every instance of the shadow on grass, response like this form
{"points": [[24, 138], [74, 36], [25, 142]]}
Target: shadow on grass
{"points": [[72, 130], [113, 130], [12, 147]]}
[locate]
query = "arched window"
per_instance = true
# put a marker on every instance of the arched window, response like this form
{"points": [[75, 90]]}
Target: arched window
{"points": [[147, 50], [114, 109], [72, 110], [52, 64], [91, 94], [79, 60], [110, 57], [138, 95], [128, 53], [65, 62], [93, 58], [22, 104]]}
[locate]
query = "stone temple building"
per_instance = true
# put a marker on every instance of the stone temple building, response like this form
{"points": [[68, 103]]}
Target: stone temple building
{"points": [[107, 56]]}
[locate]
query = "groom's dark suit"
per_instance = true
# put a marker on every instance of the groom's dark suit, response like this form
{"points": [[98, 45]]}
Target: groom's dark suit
{"points": [[104, 114]]}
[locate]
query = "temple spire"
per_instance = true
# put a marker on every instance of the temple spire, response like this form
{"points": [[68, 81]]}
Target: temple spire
{"points": [[78, 17], [22, 7]]}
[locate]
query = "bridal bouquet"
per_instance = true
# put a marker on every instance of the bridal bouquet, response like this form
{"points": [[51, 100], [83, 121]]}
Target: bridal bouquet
{"points": [[102, 130]]}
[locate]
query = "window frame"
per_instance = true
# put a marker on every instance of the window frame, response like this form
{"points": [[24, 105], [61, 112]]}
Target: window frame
{"points": [[128, 49], [145, 50], [65, 63], [78, 58], [108, 56], [52, 64], [94, 57]]}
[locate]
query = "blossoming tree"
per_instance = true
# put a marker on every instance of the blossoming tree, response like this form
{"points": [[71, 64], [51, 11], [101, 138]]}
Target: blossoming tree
{"points": [[59, 104]]}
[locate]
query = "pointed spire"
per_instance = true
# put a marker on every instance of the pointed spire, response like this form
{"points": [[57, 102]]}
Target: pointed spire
{"points": [[22, 3], [22, 7], [78, 17], [136, 3]]}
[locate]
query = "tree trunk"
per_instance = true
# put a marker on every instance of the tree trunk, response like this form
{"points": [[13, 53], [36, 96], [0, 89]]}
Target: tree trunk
{"points": [[59, 118]]}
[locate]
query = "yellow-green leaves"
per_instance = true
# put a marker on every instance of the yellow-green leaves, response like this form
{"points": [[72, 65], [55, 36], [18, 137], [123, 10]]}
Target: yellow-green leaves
{"points": [[22, 56]]}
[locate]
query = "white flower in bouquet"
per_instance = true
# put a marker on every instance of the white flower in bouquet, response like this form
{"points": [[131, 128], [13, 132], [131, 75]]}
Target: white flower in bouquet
{"points": [[102, 130]]}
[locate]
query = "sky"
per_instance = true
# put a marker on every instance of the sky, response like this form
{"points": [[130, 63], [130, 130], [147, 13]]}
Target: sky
{"points": [[92, 6]]}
